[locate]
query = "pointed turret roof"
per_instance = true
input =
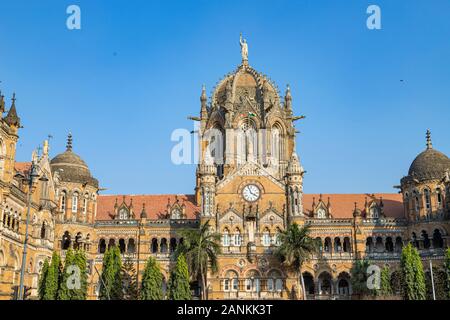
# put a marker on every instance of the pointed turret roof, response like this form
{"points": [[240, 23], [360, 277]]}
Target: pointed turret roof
{"points": [[12, 118]]}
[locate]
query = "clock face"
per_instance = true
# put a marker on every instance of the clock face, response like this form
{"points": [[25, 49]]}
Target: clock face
{"points": [[251, 193]]}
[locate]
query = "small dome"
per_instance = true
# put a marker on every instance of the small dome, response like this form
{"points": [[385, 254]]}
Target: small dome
{"points": [[71, 168], [430, 164]]}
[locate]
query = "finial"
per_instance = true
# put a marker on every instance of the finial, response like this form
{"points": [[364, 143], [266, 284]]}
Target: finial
{"points": [[13, 98], [203, 96], [69, 142], [429, 143]]}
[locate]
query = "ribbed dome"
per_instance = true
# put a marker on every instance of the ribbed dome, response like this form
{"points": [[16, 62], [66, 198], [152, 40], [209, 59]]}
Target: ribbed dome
{"points": [[71, 168], [429, 164]]}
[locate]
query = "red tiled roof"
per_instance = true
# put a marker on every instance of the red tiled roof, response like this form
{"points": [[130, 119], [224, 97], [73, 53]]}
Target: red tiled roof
{"points": [[22, 166], [343, 205], [155, 205]]}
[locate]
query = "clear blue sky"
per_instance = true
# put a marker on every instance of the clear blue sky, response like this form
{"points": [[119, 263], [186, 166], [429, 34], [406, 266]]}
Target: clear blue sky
{"points": [[134, 71]]}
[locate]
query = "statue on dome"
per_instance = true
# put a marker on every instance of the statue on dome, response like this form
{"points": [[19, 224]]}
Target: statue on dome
{"points": [[244, 48]]}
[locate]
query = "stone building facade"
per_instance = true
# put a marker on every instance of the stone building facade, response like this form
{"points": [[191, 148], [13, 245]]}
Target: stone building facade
{"points": [[249, 186]]}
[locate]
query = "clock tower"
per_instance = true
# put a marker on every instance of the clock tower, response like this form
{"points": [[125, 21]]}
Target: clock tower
{"points": [[249, 180]]}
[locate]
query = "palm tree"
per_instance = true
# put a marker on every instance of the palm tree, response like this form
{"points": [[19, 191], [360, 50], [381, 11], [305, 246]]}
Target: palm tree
{"points": [[200, 247], [296, 247]]}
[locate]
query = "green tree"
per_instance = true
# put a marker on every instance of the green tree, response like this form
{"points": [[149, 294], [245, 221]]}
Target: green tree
{"points": [[129, 280], [43, 279], [111, 278], [64, 290], [53, 278], [200, 247], [413, 277], [80, 261], [152, 281], [440, 288], [447, 270], [385, 282], [296, 247], [359, 277], [179, 288]]}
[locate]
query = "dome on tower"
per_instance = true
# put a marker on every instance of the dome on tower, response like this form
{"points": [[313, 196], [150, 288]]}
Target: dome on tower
{"points": [[71, 168], [429, 164]]}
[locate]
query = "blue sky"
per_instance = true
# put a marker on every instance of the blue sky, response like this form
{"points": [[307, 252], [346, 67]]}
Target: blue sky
{"points": [[133, 73]]}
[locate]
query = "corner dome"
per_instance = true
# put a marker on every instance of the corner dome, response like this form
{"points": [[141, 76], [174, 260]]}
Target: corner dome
{"points": [[71, 168], [429, 164]]}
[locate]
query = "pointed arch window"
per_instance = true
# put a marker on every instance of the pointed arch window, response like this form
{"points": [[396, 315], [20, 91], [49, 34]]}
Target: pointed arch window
{"points": [[75, 202], [266, 237], [123, 214], [439, 197], [237, 237], [85, 203], [226, 238], [63, 201], [374, 212], [426, 193], [321, 213]]}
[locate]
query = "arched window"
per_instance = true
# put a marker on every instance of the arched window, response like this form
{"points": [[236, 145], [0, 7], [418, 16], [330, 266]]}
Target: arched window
{"points": [[369, 244], [75, 202], [321, 213], [426, 240], [374, 212], [438, 242], [343, 284], [154, 245], [266, 237], [327, 245], [325, 284], [414, 240], [347, 246], [163, 246], [122, 246], [63, 200], [416, 202], [439, 198], [274, 281], [131, 246], [231, 281], [226, 237], [237, 238], [278, 237], [85, 203], [337, 244], [398, 244], [389, 244], [123, 214], [66, 241], [309, 283], [379, 247], [102, 246], [276, 149], [111, 243], [173, 245], [426, 193], [252, 281], [43, 230]]}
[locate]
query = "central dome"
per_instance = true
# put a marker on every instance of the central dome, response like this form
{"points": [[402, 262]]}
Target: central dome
{"points": [[70, 166], [429, 164]]}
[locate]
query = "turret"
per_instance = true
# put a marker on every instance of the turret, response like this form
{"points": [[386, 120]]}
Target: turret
{"points": [[294, 183], [11, 118]]}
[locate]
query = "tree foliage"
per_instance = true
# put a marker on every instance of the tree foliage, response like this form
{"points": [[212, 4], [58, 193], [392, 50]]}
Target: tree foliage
{"points": [[413, 277], [129, 280], [200, 247], [152, 281], [52, 279], [447, 270], [296, 247], [359, 277], [385, 282], [111, 277], [43, 279], [179, 288]]}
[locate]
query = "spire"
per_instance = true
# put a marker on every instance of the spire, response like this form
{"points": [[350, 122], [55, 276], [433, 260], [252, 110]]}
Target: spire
{"points": [[69, 142], [288, 98], [429, 143], [143, 212], [2, 103], [203, 100], [11, 118]]}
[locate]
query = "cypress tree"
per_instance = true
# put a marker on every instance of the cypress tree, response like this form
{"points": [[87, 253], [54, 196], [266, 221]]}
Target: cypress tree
{"points": [[413, 277], [64, 290], [152, 281], [179, 288], [129, 280], [385, 282], [53, 278], [79, 260], [43, 279], [111, 278]]}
